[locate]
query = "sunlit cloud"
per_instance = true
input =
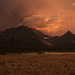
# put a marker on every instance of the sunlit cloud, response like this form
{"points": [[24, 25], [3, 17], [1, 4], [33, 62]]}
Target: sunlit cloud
{"points": [[52, 25], [73, 4], [48, 16]]}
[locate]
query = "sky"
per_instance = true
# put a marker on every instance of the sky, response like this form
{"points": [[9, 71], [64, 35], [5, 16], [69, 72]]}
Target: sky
{"points": [[52, 17]]}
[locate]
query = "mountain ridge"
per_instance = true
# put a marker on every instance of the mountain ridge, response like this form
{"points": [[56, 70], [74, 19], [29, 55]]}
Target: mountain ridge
{"points": [[68, 34], [25, 39]]}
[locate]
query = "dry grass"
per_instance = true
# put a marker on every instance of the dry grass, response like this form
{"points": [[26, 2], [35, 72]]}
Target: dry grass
{"points": [[35, 64]]}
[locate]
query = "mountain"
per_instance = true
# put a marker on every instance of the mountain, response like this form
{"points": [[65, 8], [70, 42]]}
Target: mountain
{"points": [[26, 39], [65, 42], [23, 39], [69, 35], [22, 31]]}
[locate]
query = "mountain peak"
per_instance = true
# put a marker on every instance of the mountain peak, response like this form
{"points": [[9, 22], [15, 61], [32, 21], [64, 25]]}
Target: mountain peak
{"points": [[68, 34]]}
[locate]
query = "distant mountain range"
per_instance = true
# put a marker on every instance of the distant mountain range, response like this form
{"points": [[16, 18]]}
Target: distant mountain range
{"points": [[65, 42], [25, 39]]}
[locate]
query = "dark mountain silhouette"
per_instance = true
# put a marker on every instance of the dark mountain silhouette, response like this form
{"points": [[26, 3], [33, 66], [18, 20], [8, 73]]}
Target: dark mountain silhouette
{"points": [[22, 31], [68, 34], [23, 39], [65, 42]]}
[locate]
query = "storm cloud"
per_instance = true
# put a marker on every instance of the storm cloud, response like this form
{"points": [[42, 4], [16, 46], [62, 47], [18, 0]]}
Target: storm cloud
{"points": [[49, 16]]}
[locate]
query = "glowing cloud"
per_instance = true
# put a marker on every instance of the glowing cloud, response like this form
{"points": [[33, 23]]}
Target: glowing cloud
{"points": [[50, 16], [73, 4]]}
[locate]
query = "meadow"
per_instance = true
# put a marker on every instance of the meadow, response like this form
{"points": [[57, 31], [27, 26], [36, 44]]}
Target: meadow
{"points": [[37, 64]]}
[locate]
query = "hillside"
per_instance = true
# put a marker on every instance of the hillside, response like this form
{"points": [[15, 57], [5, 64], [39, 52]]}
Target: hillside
{"points": [[23, 39], [65, 42]]}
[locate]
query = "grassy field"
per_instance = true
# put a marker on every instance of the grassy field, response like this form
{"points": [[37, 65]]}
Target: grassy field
{"points": [[37, 64]]}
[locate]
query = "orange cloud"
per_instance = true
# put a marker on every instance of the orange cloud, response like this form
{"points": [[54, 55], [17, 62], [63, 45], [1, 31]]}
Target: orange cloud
{"points": [[52, 25], [50, 16]]}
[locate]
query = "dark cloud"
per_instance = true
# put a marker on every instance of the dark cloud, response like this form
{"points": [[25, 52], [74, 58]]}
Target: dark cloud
{"points": [[49, 16], [12, 12], [35, 21]]}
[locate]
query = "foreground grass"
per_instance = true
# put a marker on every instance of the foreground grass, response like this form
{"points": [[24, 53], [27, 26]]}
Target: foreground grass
{"points": [[36, 64]]}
